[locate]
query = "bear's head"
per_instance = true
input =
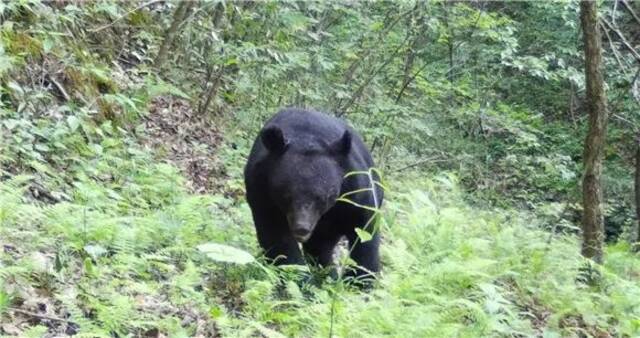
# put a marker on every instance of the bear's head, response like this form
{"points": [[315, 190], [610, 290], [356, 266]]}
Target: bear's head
{"points": [[306, 177]]}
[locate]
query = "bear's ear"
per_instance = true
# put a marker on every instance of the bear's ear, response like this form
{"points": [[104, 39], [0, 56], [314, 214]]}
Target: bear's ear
{"points": [[274, 140], [343, 145]]}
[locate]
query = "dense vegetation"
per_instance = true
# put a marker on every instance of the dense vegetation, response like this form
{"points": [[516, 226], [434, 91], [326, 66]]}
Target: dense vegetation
{"points": [[124, 128]]}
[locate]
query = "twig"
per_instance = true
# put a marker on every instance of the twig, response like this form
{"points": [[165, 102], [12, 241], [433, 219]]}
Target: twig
{"points": [[148, 3], [630, 10], [350, 71], [613, 49], [39, 316], [634, 87], [358, 93], [59, 87], [633, 52], [626, 121]]}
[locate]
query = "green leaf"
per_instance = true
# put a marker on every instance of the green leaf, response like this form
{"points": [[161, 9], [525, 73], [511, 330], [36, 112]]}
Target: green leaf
{"points": [[88, 266], [364, 235], [226, 254], [47, 45], [95, 251], [216, 312], [73, 122], [10, 123], [42, 147], [5, 301]]}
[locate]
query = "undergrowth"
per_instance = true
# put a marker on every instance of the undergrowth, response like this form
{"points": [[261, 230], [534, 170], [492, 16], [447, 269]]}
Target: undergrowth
{"points": [[101, 231], [123, 260]]}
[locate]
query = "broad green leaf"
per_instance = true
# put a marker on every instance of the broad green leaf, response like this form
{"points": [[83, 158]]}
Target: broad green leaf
{"points": [[73, 122], [216, 312], [95, 251], [225, 253], [364, 235], [10, 123]]}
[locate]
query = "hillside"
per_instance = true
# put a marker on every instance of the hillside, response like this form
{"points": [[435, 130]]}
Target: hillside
{"points": [[125, 127]]}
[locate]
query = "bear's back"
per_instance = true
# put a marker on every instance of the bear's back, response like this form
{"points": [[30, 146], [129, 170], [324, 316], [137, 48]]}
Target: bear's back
{"points": [[307, 128], [309, 131]]}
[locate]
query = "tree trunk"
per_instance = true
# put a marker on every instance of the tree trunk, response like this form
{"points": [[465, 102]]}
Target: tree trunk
{"points": [[593, 218], [181, 14], [635, 233]]}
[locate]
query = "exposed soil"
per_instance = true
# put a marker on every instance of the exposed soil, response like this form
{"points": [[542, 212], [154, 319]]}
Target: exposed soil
{"points": [[187, 140]]}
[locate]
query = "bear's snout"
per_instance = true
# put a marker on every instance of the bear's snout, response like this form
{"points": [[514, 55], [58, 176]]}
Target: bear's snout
{"points": [[301, 232], [302, 220]]}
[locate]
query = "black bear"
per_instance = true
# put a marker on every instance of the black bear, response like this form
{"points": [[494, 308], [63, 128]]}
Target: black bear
{"points": [[297, 169]]}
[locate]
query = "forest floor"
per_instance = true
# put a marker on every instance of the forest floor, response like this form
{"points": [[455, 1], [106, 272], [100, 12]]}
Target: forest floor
{"points": [[186, 140], [122, 209], [119, 256]]}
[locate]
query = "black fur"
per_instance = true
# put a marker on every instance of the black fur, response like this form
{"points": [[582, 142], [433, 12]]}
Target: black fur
{"points": [[293, 176]]}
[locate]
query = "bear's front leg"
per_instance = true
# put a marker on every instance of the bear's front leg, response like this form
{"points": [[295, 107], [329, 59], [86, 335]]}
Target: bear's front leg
{"points": [[320, 249], [366, 255], [280, 248], [274, 237]]}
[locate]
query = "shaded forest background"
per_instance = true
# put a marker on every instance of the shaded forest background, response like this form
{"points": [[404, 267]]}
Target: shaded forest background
{"points": [[124, 127]]}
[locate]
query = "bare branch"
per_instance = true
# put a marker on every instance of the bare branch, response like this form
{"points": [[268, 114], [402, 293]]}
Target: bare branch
{"points": [[635, 92], [39, 316], [613, 49], [60, 88], [631, 11], [624, 41]]}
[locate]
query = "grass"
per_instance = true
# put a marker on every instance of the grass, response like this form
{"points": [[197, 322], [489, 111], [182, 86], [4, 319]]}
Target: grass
{"points": [[120, 259], [113, 251]]}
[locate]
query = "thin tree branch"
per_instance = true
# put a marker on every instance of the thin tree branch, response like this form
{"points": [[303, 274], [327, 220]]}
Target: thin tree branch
{"points": [[613, 49], [39, 316], [180, 15], [631, 11], [356, 63], [410, 80], [626, 121], [60, 88], [624, 41], [365, 83], [634, 87]]}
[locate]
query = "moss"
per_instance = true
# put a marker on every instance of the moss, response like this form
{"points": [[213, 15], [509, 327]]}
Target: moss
{"points": [[89, 85], [107, 111], [139, 18], [22, 44]]}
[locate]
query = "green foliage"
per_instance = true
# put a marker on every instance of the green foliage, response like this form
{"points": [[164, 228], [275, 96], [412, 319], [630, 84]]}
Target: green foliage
{"points": [[463, 271], [101, 228], [225, 253]]}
